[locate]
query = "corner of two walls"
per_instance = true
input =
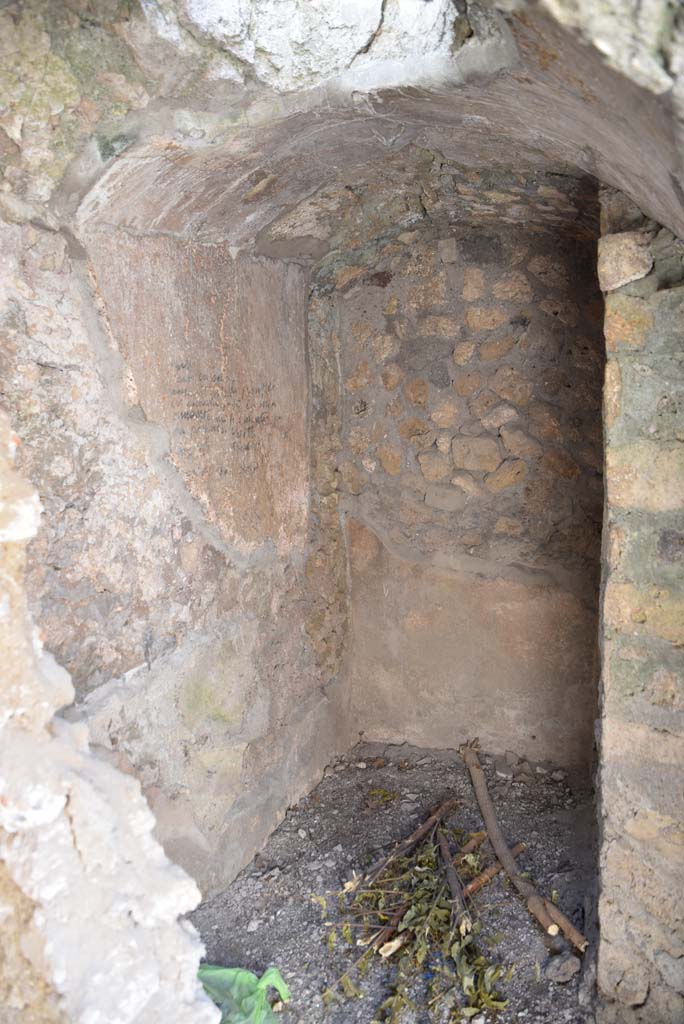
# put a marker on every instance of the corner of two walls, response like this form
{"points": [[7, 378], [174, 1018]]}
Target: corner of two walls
{"points": [[471, 472], [187, 571], [239, 720]]}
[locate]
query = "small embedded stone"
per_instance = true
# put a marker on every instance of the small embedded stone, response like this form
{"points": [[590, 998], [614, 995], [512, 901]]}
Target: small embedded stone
{"points": [[443, 442], [428, 293], [507, 475], [385, 346], [395, 407], [513, 286], [360, 378], [416, 391], [612, 392], [446, 413], [392, 376], [496, 349], [498, 416], [468, 485], [438, 326], [390, 459], [481, 318], [519, 443], [549, 271], [446, 247], [471, 428], [512, 385], [359, 439], [482, 404], [463, 352], [618, 213], [480, 454], [508, 527], [413, 427], [623, 258], [473, 284], [434, 465], [666, 689], [468, 383], [351, 478], [647, 476], [346, 275], [471, 540]]}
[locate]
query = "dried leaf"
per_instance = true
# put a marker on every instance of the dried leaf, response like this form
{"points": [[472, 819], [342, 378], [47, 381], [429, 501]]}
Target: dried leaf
{"points": [[388, 948], [322, 903], [350, 990]]}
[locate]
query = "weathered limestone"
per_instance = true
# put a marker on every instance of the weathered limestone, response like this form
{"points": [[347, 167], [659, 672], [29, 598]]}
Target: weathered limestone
{"points": [[86, 891]]}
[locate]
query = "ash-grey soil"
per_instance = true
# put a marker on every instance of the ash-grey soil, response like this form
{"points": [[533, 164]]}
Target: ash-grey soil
{"points": [[267, 916]]}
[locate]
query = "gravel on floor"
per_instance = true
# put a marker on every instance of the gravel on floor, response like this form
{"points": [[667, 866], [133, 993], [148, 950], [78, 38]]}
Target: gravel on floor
{"points": [[367, 801]]}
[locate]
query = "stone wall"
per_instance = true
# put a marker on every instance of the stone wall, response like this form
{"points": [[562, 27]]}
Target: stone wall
{"points": [[641, 957], [154, 120], [472, 362], [165, 421]]}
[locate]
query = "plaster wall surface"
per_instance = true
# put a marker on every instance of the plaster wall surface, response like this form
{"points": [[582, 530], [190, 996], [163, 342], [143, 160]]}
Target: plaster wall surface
{"points": [[440, 656], [184, 604], [214, 351], [223, 371]]}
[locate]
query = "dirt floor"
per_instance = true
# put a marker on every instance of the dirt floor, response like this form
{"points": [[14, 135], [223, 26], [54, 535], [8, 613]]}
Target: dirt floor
{"points": [[364, 804]]}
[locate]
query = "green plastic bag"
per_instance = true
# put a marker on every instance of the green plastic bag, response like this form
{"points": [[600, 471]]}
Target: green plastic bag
{"points": [[240, 995]]}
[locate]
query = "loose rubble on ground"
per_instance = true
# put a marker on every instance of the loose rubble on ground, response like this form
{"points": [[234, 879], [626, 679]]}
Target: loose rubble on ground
{"points": [[282, 909]]}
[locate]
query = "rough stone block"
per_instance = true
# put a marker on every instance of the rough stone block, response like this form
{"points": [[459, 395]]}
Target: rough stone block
{"points": [[646, 476], [481, 454], [623, 258]]}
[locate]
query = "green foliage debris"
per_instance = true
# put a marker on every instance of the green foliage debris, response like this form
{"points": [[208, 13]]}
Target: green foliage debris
{"points": [[405, 919], [241, 996]]}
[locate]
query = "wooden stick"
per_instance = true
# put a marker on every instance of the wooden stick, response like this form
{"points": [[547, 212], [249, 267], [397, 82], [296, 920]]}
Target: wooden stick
{"points": [[567, 927], [474, 843], [406, 845], [535, 903], [491, 872], [381, 937], [460, 918]]}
